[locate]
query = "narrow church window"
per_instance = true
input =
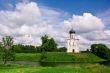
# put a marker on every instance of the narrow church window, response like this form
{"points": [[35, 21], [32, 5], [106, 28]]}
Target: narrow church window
{"points": [[73, 50]]}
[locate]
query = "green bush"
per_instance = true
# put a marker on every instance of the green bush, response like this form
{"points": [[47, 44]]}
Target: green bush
{"points": [[101, 50], [19, 48]]}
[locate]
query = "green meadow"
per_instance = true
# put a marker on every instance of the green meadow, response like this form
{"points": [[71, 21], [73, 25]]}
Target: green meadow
{"points": [[58, 57], [55, 57], [95, 68]]}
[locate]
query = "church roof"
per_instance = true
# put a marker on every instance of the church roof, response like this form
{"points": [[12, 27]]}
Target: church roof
{"points": [[72, 31]]}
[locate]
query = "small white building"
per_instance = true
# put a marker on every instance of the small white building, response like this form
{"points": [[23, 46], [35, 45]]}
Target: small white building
{"points": [[73, 42]]}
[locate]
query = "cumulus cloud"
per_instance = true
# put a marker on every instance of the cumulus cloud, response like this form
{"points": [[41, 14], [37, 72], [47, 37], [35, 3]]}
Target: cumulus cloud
{"points": [[85, 23], [29, 21]]}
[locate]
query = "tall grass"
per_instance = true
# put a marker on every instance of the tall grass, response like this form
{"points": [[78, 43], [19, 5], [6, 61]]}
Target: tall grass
{"points": [[95, 68]]}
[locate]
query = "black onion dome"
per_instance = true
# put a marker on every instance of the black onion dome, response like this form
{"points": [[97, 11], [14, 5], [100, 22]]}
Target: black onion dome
{"points": [[72, 31]]}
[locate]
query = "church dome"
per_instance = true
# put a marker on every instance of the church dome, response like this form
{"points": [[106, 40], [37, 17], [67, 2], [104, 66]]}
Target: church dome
{"points": [[72, 31]]}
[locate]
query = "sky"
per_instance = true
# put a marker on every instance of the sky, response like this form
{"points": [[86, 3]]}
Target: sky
{"points": [[28, 20]]}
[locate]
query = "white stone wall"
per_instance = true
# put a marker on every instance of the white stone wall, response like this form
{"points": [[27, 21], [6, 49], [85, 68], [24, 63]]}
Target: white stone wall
{"points": [[73, 44]]}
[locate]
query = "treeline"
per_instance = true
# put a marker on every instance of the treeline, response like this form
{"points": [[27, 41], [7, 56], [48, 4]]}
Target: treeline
{"points": [[19, 48], [101, 50], [48, 45]]}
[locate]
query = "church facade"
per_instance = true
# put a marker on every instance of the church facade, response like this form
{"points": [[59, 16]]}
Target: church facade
{"points": [[73, 42]]}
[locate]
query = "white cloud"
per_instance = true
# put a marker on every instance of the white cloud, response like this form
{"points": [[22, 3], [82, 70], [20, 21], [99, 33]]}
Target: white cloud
{"points": [[85, 23], [29, 19], [107, 32], [28, 22]]}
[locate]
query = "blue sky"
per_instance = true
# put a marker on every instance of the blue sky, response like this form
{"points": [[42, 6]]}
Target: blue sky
{"points": [[28, 20], [78, 6], [71, 6]]}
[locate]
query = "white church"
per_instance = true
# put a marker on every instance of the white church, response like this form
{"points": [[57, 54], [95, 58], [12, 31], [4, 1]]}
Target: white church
{"points": [[73, 42]]}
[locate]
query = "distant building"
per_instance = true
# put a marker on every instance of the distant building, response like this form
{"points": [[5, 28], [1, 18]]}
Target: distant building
{"points": [[72, 42]]}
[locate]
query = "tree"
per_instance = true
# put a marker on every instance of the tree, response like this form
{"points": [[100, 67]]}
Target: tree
{"points": [[48, 45], [7, 49], [1, 51], [100, 50], [19, 48], [51, 45], [44, 39], [62, 49]]}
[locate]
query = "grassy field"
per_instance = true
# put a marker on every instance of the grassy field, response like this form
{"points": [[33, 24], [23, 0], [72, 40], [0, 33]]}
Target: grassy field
{"points": [[95, 68], [28, 56], [71, 57], [58, 57]]}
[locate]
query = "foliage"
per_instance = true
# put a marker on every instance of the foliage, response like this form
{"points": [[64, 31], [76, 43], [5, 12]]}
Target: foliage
{"points": [[101, 50], [7, 51], [48, 45], [44, 39], [62, 49], [19, 48], [1, 51]]}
